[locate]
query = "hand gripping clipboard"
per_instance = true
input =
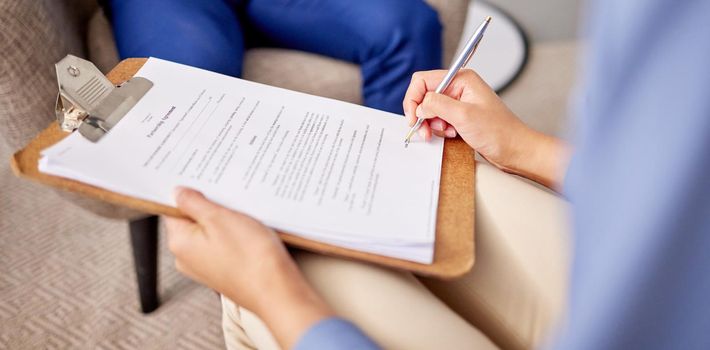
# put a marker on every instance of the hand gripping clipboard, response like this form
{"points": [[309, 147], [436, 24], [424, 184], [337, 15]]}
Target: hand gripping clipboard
{"points": [[91, 104]]}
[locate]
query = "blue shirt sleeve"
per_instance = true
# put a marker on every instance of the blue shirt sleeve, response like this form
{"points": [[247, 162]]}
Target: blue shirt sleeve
{"points": [[640, 180], [333, 334]]}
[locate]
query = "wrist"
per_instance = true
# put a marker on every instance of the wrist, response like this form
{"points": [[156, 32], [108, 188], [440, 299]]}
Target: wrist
{"points": [[287, 304], [518, 148], [292, 297], [290, 312], [541, 158]]}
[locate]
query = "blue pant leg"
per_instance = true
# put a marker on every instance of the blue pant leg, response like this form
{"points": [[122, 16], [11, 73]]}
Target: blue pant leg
{"points": [[390, 39], [200, 33]]}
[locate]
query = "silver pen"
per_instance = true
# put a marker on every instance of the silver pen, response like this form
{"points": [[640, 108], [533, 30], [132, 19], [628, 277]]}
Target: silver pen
{"points": [[460, 62]]}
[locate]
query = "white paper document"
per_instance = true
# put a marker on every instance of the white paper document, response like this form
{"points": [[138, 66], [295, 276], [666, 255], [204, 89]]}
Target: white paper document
{"points": [[314, 167]]}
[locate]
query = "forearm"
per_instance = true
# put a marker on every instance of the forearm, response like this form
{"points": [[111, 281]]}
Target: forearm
{"points": [[541, 158]]}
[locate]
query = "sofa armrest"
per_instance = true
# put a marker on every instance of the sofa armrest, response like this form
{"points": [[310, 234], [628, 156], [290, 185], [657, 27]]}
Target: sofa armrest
{"points": [[452, 14], [33, 36]]}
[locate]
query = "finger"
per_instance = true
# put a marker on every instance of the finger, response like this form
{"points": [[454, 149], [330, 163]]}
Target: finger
{"points": [[181, 234], [425, 131], [438, 133], [194, 204], [173, 224], [434, 127], [450, 132], [421, 83], [438, 124], [411, 119], [437, 105], [427, 81]]}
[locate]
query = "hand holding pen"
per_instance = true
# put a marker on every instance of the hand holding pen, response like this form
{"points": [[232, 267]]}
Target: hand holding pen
{"points": [[470, 108], [461, 61]]}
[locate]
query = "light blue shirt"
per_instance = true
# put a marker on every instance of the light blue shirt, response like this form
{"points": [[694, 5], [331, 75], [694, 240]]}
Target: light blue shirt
{"points": [[640, 180], [333, 334], [639, 184]]}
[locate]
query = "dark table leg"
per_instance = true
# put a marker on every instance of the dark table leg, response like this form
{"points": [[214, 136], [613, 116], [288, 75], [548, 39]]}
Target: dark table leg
{"points": [[144, 239]]}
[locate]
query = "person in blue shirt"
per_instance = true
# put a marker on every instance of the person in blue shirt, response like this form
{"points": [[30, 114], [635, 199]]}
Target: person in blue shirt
{"points": [[378, 35], [638, 181]]}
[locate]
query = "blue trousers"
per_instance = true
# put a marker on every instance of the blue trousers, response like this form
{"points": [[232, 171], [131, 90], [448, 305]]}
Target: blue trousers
{"points": [[389, 39]]}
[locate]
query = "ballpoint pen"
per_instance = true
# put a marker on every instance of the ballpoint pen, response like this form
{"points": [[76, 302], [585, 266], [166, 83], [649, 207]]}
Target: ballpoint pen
{"points": [[460, 62]]}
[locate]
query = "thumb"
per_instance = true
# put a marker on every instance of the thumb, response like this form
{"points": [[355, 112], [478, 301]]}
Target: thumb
{"points": [[195, 205], [437, 105]]}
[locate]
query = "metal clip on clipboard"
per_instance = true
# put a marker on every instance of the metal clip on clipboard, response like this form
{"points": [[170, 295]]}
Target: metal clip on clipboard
{"points": [[88, 101]]}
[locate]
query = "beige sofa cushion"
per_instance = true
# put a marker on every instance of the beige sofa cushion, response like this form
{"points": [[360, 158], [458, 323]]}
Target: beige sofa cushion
{"points": [[33, 36]]}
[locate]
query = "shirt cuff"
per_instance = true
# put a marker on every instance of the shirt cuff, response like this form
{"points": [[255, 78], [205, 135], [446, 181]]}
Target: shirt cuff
{"points": [[335, 333]]}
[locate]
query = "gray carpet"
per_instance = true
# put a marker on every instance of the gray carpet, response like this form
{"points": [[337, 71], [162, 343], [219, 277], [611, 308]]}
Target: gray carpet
{"points": [[67, 281]]}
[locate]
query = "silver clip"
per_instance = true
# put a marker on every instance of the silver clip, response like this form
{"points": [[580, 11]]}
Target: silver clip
{"points": [[88, 101]]}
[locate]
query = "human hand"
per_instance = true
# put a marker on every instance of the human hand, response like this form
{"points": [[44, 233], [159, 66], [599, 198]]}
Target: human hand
{"points": [[470, 108], [241, 258]]}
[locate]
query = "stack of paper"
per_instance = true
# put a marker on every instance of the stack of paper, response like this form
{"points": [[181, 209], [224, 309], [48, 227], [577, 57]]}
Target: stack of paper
{"points": [[318, 168]]}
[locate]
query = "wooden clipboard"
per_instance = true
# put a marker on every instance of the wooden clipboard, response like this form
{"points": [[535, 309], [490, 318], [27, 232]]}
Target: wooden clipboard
{"points": [[454, 247]]}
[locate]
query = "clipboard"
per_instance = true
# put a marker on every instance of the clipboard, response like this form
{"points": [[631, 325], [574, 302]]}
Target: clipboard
{"points": [[454, 244]]}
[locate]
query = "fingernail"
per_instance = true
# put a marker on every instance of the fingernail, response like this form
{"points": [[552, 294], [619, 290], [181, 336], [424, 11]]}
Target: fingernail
{"points": [[437, 125], [450, 133], [419, 112], [422, 134]]}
